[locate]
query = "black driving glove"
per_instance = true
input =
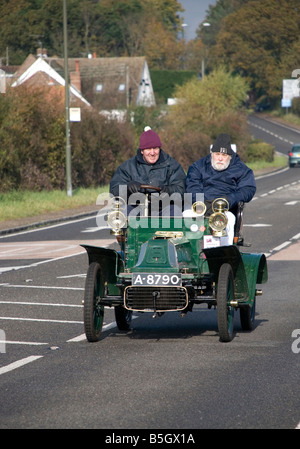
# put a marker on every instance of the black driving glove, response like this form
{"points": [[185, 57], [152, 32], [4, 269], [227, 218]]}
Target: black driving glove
{"points": [[133, 187]]}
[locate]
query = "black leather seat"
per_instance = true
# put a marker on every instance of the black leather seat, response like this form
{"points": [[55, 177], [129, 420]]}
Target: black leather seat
{"points": [[238, 211]]}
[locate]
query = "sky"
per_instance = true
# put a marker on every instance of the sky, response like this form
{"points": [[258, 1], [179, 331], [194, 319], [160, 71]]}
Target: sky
{"points": [[195, 12]]}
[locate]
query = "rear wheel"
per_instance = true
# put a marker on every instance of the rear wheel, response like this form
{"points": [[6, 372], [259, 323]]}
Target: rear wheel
{"points": [[93, 310], [123, 318], [247, 316], [225, 294]]}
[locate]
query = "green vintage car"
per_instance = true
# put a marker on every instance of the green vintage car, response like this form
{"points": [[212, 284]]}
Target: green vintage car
{"points": [[164, 266]]}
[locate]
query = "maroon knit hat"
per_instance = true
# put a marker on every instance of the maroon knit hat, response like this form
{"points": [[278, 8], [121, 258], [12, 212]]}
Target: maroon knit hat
{"points": [[149, 139]]}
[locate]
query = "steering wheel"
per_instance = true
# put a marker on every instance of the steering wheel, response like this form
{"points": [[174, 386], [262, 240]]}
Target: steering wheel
{"points": [[149, 187]]}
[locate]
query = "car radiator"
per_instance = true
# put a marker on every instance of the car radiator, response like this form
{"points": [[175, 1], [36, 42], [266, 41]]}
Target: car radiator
{"points": [[157, 299]]}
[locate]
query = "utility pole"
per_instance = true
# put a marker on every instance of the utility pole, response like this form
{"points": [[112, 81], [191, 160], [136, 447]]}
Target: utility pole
{"points": [[67, 101]]}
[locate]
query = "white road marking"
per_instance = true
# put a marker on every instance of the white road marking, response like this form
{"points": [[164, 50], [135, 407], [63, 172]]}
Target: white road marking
{"points": [[257, 225], [40, 320], [41, 287], [40, 304], [283, 245], [72, 276], [94, 229], [106, 327], [30, 343], [271, 133], [21, 362]]}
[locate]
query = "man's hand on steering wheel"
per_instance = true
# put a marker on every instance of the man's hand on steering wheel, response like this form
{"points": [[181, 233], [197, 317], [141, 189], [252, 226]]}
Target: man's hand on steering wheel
{"points": [[133, 187]]}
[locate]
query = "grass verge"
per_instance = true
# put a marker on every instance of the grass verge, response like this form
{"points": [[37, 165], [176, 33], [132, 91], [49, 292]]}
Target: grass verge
{"points": [[22, 204], [279, 162]]}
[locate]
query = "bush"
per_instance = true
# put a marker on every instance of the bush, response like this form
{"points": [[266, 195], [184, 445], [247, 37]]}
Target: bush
{"points": [[32, 135], [258, 150], [99, 146]]}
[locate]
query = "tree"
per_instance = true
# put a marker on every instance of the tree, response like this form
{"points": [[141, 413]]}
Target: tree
{"points": [[106, 27], [256, 39], [204, 109]]}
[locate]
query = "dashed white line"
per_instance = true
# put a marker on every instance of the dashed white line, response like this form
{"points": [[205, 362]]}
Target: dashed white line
{"points": [[29, 343], [27, 303], [258, 225], [40, 287], [271, 133], [40, 320], [283, 245], [82, 337], [21, 362]]}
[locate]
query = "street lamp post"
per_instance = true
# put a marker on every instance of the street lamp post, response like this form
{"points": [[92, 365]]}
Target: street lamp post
{"points": [[68, 147], [205, 24]]}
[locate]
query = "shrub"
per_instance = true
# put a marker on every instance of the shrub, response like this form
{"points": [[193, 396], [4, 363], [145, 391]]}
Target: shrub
{"points": [[32, 135], [258, 150]]}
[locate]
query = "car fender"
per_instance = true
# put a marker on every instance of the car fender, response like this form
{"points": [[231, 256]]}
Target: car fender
{"points": [[111, 264], [248, 269]]}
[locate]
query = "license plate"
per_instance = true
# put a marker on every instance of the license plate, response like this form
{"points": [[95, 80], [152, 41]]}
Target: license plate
{"points": [[159, 279]]}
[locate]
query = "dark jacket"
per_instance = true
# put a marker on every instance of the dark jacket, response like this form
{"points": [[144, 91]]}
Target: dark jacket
{"points": [[237, 182], [165, 172]]}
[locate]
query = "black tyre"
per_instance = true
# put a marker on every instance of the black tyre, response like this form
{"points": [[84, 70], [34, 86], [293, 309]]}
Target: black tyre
{"points": [[225, 294], [247, 317], [93, 311], [123, 318]]}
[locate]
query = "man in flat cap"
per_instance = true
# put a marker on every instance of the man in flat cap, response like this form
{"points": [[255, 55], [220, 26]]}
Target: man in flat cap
{"points": [[221, 174]]}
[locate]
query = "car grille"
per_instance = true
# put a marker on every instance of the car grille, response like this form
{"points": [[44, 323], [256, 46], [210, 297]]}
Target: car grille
{"points": [[159, 299]]}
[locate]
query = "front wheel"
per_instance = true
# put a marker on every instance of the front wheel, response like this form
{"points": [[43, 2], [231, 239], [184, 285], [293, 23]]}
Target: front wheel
{"points": [[247, 316], [123, 318], [225, 294], [93, 310]]}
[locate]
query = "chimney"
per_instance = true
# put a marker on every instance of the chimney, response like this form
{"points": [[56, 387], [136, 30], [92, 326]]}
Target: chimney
{"points": [[42, 53], [75, 77]]}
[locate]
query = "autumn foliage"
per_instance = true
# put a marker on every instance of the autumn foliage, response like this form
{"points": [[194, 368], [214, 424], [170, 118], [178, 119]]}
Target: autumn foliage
{"points": [[32, 135]]}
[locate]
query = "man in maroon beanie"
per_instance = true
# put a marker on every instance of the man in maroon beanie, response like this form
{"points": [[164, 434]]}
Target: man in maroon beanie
{"points": [[150, 166]]}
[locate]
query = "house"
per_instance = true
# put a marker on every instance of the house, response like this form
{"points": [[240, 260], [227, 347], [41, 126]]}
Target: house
{"points": [[38, 73], [103, 83]]}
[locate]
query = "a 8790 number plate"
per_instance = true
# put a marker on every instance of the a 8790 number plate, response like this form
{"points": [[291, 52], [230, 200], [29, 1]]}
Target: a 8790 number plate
{"points": [[161, 279]]}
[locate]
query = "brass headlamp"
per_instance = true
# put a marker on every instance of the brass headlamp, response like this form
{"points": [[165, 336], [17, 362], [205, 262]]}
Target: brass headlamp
{"points": [[199, 208], [117, 219], [218, 220]]}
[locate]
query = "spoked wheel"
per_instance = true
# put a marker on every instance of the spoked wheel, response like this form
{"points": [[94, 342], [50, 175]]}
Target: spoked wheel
{"points": [[225, 294], [247, 316], [123, 318], [93, 311]]}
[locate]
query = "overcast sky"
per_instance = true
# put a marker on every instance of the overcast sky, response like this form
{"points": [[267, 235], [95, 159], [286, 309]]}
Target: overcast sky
{"points": [[195, 12]]}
